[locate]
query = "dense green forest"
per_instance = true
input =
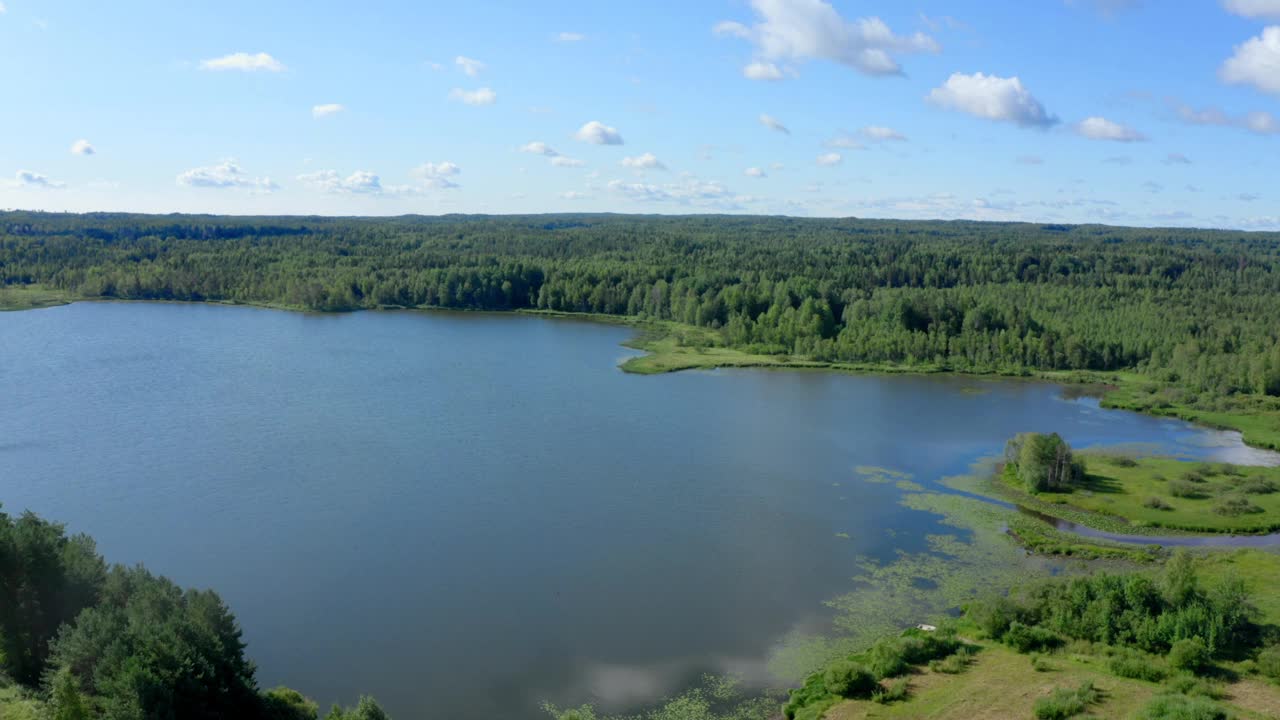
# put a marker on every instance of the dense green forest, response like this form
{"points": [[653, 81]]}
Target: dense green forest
{"points": [[1190, 307], [81, 640]]}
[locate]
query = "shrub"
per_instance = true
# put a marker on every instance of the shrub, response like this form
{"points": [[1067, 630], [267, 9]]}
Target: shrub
{"points": [[1136, 666], [892, 657], [1184, 489], [1190, 654], [1197, 476], [896, 691], [1236, 506], [1269, 662], [1040, 663], [1027, 638], [1156, 503], [954, 663], [1192, 685], [846, 678], [1065, 702], [1181, 707], [995, 616], [1122, 461], [1258, 486]]}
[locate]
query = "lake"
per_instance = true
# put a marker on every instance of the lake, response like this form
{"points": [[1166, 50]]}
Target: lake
{"points": [[465, 515]]}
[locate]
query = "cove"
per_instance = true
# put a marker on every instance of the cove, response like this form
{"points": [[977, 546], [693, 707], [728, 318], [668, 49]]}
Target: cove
{"points": [[468, 514]]}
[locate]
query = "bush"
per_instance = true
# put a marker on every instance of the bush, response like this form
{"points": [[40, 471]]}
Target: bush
{"points": [[1065, 702], [1028, 638], [896, 691], [892, 657], [1190, 654], [1040, 663], [1136, 666], [995, 616], [1181, 707], [846, 678], [953, 664], [1192, 685], [1258, 486], [1236, 506], [1269, 662], [1122, 461], [1184, 489], [1156, 503], [1197, 475]]}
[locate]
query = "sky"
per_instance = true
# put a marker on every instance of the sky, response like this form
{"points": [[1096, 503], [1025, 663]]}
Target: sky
{"points": [[1127, 112]]}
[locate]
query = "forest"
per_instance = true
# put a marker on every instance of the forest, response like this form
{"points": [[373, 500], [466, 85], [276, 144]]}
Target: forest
{"points": [[80, 639], [1191, 308]]}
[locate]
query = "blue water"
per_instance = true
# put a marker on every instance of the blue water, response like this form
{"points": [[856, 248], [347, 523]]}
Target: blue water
{"points": [[468, 514]]}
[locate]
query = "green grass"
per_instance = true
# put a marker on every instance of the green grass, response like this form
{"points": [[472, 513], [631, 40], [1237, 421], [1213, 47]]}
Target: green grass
{"points": [[15, 705], [1141, 495], [30, 297], [1256, 418]]}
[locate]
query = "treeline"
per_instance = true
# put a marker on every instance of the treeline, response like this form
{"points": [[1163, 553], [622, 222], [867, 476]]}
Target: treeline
{"points": [[1186, 306], [88, 640]]}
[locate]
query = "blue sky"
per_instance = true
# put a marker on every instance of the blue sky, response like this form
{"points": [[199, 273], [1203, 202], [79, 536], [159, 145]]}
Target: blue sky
{"points": [[1116, 111]]}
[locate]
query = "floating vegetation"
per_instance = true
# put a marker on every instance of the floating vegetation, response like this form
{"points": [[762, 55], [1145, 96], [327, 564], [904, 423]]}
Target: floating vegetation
{"points": [[873, 474]]}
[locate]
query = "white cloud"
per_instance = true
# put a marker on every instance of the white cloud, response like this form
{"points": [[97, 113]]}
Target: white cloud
{"points": [[1177, 159], [3, 9], [646, 161], [844, 141], [244, 62], [754, 172], [829, 159], [360, 182], [774, 123], [566, 162], [761, 71], [436, 175], [82, 147], [1256, 62], [880, 133], [993, 98], [226, 174], [1100, 128], [36, 181], [539, 148], [574, 195], [690, 191], [319, 111], [597, 133], [1262, 123], [803, 30], [481, 96], [1253, 8], [469, 66], [570, 37]]}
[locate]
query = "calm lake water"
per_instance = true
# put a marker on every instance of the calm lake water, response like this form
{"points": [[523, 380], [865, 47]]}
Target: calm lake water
{"points": [[468, 514]]}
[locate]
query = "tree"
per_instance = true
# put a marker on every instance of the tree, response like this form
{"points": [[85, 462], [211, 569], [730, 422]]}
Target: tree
{"points": [[65, 699], [1044, 463]]}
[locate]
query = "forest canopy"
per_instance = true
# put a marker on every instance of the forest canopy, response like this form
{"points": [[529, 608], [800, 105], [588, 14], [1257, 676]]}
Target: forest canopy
{"points": [[1190, 307]]}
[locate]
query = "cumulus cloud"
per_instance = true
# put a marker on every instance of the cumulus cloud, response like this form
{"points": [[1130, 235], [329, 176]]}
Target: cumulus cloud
{"points": [[570, 37], [244, 62], [35, 181], [690, 191], [1253, 8], [360, 182], [761, 71], [1259, 122], [319, 111], [1256, 62], [480, 96], [226, 174], [647, 161], [566, 162], [539, 148], [844, 141], [597, 133], [82, 147], [754, 172], [829, 159], [1100, 128], [993, 98], [798, 31], [879, 133], [774, 123], [436, 175], [469, 66]]}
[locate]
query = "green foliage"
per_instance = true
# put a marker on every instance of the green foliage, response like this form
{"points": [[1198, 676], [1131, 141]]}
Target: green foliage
{"points": [[1065, 702], [1137, 665], [1044, 463], [1181, 707], [46, 579], [1186, 489], [1040, 663], [896, 691], [1235, 506], [1257, 486], [1156, 503], [1268, 663], [65, 699], [366, 709], [892, 657], [953, 664], [1030, 638], [845, 678], [1190, 654], [1188, 684], [284, 703]]}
